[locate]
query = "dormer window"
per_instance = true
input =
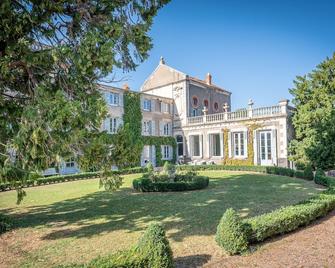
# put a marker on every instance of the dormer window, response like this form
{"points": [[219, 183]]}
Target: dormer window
{"points": [[147, 105]]}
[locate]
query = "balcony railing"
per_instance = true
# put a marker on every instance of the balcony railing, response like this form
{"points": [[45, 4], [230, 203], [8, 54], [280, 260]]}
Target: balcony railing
{"points": [[238, 115]]}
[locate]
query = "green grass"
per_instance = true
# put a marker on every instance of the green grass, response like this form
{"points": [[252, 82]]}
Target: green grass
{"points": [[75, 221]]}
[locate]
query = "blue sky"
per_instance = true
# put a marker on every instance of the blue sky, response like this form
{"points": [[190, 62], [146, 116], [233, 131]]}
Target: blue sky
{"points": [[254, 49]]}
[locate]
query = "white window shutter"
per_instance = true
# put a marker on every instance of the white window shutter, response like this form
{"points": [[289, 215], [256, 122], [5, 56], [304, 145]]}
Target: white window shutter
{"points": [[221, 144], [161, 128], [153, 105], [245, 133], [230, 144], [121, 99], [170, 129], [153, 128], [107, 124], [106, 96], [142, 103], [201, 145], [255, 147], [274, 147]]}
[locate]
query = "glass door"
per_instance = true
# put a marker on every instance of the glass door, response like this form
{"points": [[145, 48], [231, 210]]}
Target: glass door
{"points": [[265, 149]]}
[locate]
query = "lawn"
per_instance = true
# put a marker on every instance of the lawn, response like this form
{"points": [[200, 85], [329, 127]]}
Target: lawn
{"points": [[75, 221]]}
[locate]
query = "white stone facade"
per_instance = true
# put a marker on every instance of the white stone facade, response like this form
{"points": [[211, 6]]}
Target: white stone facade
{"points": [[196, 112]]}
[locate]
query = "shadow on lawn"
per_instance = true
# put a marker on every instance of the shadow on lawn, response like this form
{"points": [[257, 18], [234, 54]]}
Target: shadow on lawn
{"points": [[183, 213]]}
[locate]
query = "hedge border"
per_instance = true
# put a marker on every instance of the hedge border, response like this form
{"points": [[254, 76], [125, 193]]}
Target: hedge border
{"points": [[64, 178], [282, 220], [144, 184]]}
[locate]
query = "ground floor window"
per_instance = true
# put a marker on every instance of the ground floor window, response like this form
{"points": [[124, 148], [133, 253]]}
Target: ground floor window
{"points": [[70, 162], [214, 145], [239, 146], [166, 152], [147, 127], [195, 145], [265, 145], [180, 145]]}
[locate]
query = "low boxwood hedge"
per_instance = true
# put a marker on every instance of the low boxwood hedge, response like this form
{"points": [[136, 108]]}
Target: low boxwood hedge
{"points": [[261, 169], [153, 250], [279, 221], [5, 223], [63, 178], [145, 184], [322, 179]]}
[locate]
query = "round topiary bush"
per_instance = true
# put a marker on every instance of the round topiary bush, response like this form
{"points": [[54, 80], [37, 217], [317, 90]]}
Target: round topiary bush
{"points": [[232, 233], [162, 183]]}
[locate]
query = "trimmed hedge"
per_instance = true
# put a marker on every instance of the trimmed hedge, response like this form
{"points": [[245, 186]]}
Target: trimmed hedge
{"points": [[284, 220], [147, 185], [322, 179], [5, 223], [306, 174], [231, 233], [63, 178], [153, 250], [261, 169]]}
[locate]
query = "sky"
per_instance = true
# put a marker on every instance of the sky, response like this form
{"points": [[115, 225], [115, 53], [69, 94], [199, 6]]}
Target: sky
{"points": [[254, 49]]}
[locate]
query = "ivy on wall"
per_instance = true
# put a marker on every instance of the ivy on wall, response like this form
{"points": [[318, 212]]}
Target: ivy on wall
{"points": [[132, 119], [158, 142], [249, 161]]}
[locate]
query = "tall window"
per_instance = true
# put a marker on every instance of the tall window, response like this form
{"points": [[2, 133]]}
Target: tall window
{"points": [[147, 105], [114, 98], [195, 145], [165, 107], [166, 152], [180, 145], [113, 125], [147, 127], [238, 138], [194, 112], [215, 144], [166, 130]]}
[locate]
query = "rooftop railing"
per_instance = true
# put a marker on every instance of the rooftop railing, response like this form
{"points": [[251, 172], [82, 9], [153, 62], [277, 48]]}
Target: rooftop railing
{"points": [[244, 114]]}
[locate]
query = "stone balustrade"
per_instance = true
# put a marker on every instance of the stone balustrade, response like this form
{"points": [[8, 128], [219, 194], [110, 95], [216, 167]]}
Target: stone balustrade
{"points": [[243, 114]]}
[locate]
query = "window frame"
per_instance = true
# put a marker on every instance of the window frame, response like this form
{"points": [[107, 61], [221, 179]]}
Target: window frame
{"points": [[238, 147], [113, 96], [147, 105]]}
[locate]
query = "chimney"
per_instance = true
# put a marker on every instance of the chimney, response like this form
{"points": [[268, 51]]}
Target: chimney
{"points": [[208, 79], [125, 87]]}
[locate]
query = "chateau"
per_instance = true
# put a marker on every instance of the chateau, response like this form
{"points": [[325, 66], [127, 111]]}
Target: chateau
{"points": [[197, 114]]}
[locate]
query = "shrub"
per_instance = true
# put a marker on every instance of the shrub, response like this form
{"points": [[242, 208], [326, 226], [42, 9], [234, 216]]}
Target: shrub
{"points": [[300, 165], [32, 181], [308, 173], [280, 171], [181, 183], [231, 233], [5, 223], [321, 179], [154, 247], [261, 169], [153, 250], [289, 218]]}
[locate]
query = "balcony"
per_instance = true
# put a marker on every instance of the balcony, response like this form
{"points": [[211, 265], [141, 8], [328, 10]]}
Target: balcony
{"points": [[277, 110]]}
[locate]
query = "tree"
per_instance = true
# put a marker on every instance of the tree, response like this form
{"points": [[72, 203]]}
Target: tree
{"points": [[52, 54], [314, 119]]}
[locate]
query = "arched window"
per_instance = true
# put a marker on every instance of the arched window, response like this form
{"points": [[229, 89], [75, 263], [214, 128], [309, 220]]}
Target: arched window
{"points": [[180, 145], [216, 106], [195, 101], [206, 103]]}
